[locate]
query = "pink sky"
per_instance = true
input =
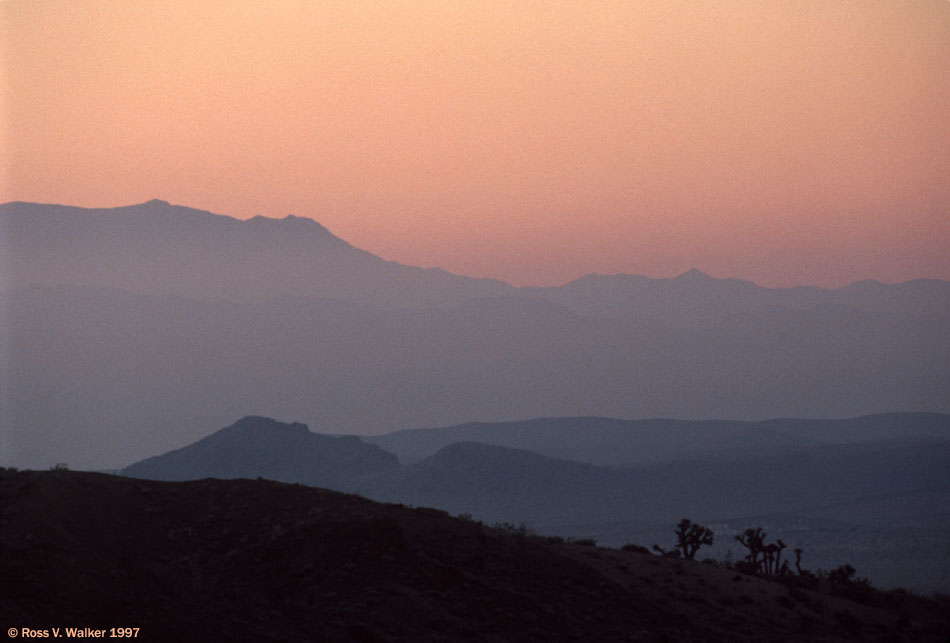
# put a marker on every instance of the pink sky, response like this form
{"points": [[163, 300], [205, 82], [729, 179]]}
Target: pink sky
{"points": [[779, 141]]}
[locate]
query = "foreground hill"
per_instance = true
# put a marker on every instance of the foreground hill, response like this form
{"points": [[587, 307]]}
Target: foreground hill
{"points": [[877, 495], [260, 560]]}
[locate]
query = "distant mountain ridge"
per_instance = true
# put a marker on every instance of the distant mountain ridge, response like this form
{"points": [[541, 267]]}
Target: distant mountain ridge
{"points": [[159, 248], [704, 298], [611, 442], [130, 330]]}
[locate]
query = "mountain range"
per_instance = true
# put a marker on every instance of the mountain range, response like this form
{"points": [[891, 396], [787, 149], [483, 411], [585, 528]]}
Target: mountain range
{"points": [[161, 249], [617, 443], [129, 331]]}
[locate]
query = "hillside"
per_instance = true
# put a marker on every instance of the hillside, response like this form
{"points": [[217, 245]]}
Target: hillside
{"points": [[245, 559], [877, 499], [881, 506]]}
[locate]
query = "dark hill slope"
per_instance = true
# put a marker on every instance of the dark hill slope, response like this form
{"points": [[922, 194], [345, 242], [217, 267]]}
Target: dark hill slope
{"points": [[256, 446], [855, 502], [265, 561]]}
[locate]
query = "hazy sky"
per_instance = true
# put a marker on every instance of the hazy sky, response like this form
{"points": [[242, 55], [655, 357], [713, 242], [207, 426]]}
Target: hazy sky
{"points": [[779, 141]]}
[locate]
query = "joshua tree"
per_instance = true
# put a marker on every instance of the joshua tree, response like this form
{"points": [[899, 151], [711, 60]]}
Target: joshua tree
{"points": [[779, 546], [772, 557], [771, 561], [691, 536], [754, 541]]}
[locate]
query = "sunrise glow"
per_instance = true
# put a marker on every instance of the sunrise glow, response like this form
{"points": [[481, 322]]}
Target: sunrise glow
{"points": [[781, 142]]}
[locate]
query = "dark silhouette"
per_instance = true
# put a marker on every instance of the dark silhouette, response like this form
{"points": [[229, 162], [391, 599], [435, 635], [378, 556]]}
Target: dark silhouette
{"points": [[495, 484], [773, 557], [842, 574], [770, 563], [754, 541], [671, 553], [691, 536], [263, 447], [253, 559]]}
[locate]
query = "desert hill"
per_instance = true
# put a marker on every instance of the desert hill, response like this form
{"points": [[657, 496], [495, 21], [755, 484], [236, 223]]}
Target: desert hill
{"points": [[261, 447], [261, 560], [874, 492]]}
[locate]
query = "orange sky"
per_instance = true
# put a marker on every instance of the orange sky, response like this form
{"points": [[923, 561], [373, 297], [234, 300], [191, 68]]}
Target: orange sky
{"points": [[779, 141]]}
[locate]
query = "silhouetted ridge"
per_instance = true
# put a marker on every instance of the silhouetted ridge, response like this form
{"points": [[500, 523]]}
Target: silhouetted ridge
{"points": [[164, 249], [480, 455], [251, 560], [256, 424], [263, 447], [291, 219], [693, 274]]}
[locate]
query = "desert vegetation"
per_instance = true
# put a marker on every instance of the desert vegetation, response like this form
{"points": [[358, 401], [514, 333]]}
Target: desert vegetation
{"points": [[763, 559]]}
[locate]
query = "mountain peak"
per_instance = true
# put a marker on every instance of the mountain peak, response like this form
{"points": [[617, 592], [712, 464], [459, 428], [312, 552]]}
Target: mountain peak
{"points": [[260, 423], [291, 219], [261, 446], [693, 274]]}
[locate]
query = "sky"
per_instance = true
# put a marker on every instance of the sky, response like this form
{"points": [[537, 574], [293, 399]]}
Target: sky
{"points": [[785, 142]]}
